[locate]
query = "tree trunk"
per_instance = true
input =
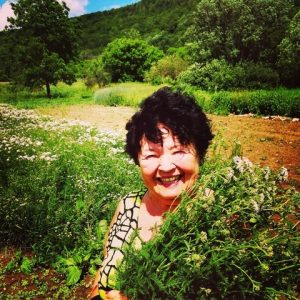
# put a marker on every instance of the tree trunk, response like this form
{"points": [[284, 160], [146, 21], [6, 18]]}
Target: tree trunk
{"points": [[48, 90]]}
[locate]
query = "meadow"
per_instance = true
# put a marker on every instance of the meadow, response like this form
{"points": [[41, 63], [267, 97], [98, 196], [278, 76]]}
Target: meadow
{"points": [[61, 181], [280, 101]]}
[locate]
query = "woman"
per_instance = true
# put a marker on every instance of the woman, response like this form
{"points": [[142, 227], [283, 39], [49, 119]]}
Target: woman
{"points": [[168, 138]]}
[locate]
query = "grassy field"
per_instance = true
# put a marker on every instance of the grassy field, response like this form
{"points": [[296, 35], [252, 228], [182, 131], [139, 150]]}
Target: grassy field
{"points": [[283, 102], [60, 182]]}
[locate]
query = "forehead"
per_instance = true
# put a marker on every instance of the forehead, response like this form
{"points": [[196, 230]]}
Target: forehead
{"points": [[168, 141]]}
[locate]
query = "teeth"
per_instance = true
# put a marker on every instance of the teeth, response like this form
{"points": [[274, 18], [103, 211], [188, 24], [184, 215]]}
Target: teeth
{"points": [[169, 179]]}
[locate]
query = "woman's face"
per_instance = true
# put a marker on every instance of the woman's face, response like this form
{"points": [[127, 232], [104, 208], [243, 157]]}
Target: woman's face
{"points": [[169, 168]]}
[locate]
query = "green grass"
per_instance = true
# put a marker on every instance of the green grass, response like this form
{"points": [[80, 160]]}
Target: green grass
{"points": [[57, 181], [62, 94], [60, 183], [125, 94], [284, 102]]}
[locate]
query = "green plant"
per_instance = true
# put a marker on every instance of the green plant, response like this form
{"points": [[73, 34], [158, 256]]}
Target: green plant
{"points": [[129, 93], [45, 43], [56, 184], [238, 241], [166, 69], [128, 59]]}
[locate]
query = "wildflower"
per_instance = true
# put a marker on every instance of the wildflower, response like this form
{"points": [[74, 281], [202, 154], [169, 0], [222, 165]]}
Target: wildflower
{"points": [[283, 175], [197, 259], [255, 206], [243, 164], [267, 173], [203, 236], [230, 175], [47, 156]]}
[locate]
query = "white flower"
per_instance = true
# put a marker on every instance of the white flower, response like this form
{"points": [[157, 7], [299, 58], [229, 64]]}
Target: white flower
{"points": [[243, 164], [255, 206], [283, 175]]}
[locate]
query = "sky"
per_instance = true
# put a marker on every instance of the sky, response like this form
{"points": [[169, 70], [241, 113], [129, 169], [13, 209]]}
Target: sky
{"points": [[77, 7]]}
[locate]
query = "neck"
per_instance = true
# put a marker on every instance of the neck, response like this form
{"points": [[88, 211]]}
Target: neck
{"points": [[157, 206]]}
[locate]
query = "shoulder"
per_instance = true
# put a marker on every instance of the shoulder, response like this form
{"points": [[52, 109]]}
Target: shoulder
{"points": [[132, 199]]}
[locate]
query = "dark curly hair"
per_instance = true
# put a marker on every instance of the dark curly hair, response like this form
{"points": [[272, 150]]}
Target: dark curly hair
{"points": [[178, 112]]}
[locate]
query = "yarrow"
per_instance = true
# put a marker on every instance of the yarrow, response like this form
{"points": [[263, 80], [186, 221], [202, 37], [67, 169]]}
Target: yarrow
{"points": [[243, 164]]}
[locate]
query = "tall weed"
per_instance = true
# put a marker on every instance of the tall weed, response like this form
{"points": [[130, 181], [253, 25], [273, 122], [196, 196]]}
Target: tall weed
{"points": [[238, 241], [57, 181], [126, 94]]}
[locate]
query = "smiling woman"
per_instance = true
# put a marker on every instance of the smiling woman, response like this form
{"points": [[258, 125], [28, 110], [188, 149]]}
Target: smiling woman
{"points": [[168, 138]]}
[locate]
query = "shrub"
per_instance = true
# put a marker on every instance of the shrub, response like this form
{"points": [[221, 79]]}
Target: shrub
{"points": [[240, 242], [96, 74], [221, 103], [166, 69], [220, 75], [249, 75], [57, 181], [128, 59], [212, 76]]}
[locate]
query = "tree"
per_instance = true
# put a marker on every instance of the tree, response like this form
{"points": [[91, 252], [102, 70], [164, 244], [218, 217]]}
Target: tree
{"points": [[289, 56], [239, 30], [46, 43], [128, 59], [166, 69], [96, 74]]}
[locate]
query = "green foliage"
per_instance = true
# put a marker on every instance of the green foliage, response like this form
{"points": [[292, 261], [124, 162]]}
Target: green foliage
{"points": [[237, 242], [57, 180], [289, 57], [96, 74], [128, 59], [127, 94], [269, 103], [283, 102], [166, 69], [218, 74], [62, 94], [255, 42], [45, 42], [214, 75], [161, 23], [239, 29]]}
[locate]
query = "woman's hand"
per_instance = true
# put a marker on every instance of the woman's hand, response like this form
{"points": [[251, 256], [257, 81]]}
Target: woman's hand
{"points": [[115, 295]]}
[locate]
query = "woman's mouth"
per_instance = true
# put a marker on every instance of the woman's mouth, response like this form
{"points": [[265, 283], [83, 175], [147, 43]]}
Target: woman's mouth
{"points": [[167, 181]]}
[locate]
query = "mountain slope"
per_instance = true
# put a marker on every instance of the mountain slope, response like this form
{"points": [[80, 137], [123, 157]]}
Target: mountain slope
{"points": [[161, 22]]}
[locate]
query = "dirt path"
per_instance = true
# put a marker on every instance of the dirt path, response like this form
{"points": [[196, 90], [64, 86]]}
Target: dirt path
{"points": [[268, 142]]}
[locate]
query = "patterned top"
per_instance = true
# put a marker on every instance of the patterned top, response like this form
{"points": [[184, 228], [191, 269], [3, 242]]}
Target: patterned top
{"points": [[119, 234]]}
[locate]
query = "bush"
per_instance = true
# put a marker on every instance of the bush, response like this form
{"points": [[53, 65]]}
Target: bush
{"points": [[57, 181], [166, 69], [239, 242], [212, 76], [128, 59], [220, 75], [96, 74], [250, 75]]}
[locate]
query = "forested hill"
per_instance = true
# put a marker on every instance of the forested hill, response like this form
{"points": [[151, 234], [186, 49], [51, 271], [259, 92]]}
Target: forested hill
{"points": [[161, 22]]}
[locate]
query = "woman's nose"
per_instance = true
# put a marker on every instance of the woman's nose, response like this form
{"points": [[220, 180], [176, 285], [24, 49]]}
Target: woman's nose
{"points": [[166, 163]]}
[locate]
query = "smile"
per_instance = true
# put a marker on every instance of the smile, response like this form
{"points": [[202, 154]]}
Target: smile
{"points": [[169, 179]]}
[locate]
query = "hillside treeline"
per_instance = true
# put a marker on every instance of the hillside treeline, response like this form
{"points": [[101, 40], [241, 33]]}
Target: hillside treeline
{"points": [[211, 45], [161, 23]]}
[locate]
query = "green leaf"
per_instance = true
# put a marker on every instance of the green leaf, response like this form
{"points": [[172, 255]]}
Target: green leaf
{"points": [[74, 274], [26, 265]]}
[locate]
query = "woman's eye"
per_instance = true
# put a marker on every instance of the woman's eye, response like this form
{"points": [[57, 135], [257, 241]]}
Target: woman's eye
{"points": [[178, 152], [150, 156]]}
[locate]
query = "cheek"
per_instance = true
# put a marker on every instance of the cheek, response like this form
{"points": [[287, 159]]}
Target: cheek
{"points": [[147, 174], [191, 168]]}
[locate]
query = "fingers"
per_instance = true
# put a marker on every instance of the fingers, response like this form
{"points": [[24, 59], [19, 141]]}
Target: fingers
{"points": [[115, 295]]}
